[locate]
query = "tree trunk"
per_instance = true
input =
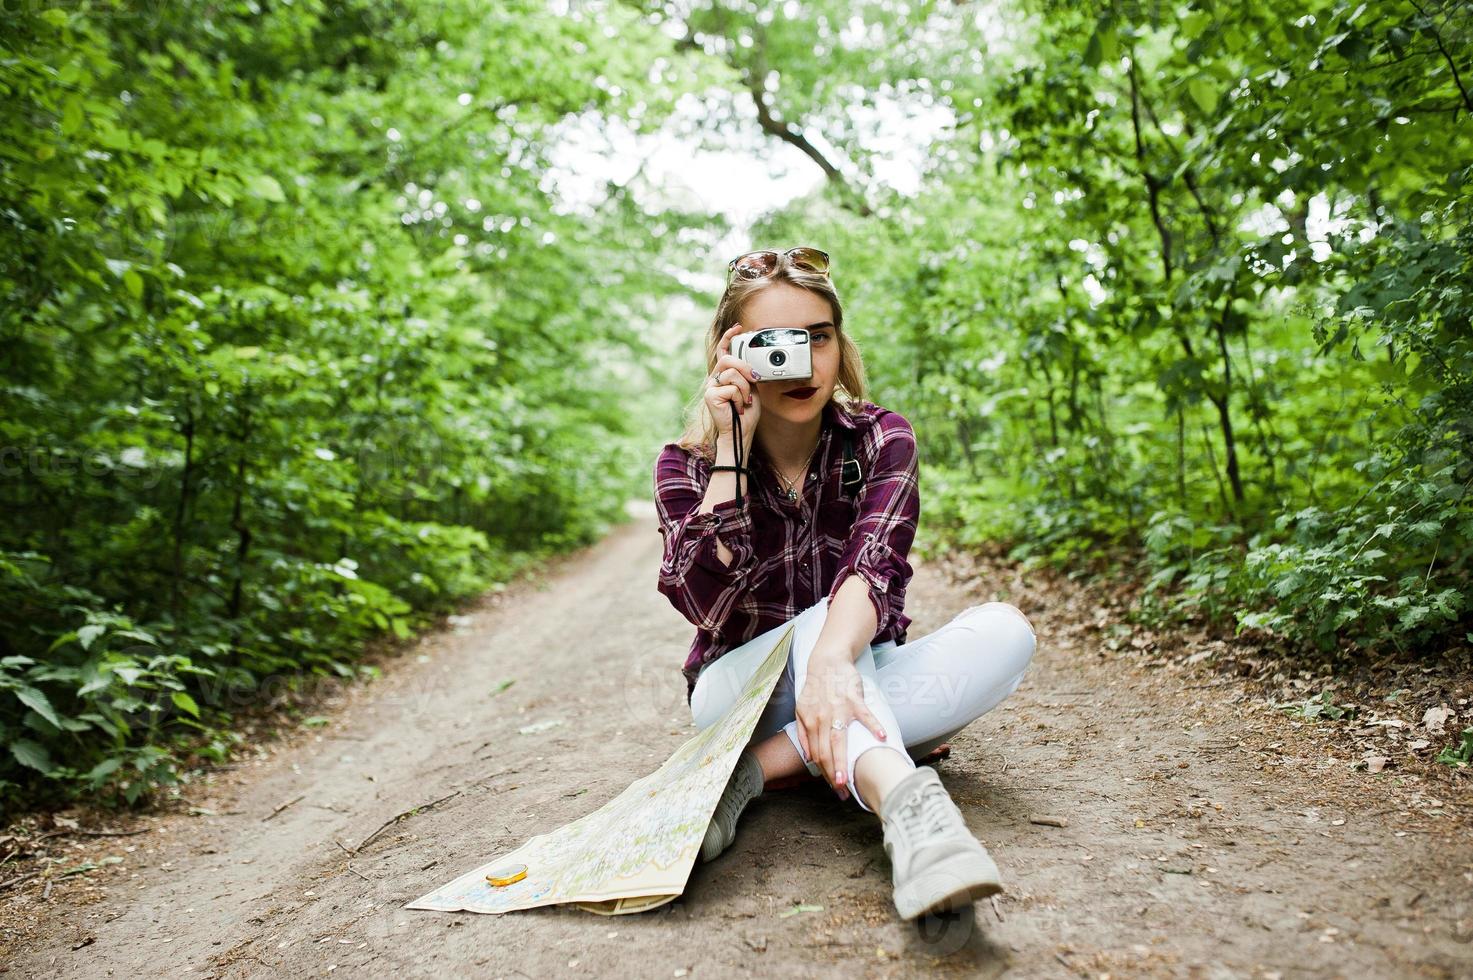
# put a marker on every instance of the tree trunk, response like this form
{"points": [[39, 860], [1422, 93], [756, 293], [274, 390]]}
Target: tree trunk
{"points": [[238, 524], [176, 596]]}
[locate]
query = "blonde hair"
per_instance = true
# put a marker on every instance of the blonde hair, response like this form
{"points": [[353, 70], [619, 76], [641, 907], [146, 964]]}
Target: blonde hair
{"points": [[700, 426]]}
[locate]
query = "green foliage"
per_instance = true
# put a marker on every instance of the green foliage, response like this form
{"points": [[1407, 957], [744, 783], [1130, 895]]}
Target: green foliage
{"points": [[1459, 753], [1190, 283], [1321, 706], [295, 344], [298, 345]]}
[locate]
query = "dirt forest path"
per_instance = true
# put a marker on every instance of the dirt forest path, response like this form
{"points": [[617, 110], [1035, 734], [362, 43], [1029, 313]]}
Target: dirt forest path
{"points": [[1193, 846]]}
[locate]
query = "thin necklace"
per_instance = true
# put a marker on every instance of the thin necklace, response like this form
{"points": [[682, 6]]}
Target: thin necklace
{"points": [[792, 492]]}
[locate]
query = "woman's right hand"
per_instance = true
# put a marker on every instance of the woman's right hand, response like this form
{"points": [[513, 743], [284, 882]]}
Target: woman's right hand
{"points": [[738, 386]]}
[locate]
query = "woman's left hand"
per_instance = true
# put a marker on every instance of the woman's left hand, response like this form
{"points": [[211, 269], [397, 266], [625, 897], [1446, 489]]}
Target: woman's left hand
{"points": [[832, 691]]}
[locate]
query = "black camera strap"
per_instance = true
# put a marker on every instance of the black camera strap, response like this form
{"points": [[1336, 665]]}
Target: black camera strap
{"points": [[738, 469], [853, 477]]}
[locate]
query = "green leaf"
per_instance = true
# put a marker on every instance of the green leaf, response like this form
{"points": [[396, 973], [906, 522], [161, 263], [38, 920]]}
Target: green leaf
{"points": [[37, 701], [265, 187], [1193, 24], [97, 680], [184, 702], [101, 722], [1093, 51], [62, 640], [1459, 753], [103, 769], [28, 753], [128, 673], [72, 116], [88, 633], [800, 907], [1204, 93]]}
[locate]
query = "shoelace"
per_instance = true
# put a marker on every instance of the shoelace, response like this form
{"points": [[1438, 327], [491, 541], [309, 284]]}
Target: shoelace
{"points": [[729, 805], [928, 811]]}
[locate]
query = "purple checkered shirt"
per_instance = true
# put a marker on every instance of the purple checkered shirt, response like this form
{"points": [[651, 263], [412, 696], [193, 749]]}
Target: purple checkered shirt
{"points": [[787, 555]]}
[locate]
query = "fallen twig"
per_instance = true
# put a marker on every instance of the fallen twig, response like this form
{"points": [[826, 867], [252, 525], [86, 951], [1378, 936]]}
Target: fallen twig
{"points": [[17, 880], [91, 833], [1060, 789], [399, 816], [283, 806], [111, 833], [490, 776]]}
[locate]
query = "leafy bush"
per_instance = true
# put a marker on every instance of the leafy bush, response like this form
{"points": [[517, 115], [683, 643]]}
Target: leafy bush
{"points": [[1460, 753], [296, 342], [1202, 301]]}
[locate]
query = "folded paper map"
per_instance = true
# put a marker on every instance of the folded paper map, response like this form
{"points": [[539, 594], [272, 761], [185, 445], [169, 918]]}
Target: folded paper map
{"points": [[636, 851]]}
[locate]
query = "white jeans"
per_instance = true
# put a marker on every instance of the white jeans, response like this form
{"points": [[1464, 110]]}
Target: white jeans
{"points": [[922, 692]]}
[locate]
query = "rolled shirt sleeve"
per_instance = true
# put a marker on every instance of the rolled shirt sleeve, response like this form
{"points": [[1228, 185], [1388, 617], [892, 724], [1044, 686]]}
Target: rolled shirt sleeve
{"points": [[692, 575], [889, 512]]}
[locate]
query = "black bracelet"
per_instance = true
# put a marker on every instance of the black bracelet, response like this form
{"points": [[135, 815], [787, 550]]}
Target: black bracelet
{"points": [[738, 469]]}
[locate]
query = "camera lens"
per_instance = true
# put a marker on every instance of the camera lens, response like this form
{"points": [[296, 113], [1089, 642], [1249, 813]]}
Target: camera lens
{"points": [[777, 358]]}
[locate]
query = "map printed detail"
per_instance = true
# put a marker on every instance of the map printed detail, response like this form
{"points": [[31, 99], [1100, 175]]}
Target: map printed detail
{"points": [[636, 851]]}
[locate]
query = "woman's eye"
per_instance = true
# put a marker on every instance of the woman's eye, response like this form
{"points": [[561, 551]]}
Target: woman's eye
{"points": [[820, 336]]}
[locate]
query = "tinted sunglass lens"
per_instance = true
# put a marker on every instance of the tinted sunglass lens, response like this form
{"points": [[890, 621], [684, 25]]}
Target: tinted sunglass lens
{"points": [[755, 264], [810, 258]]}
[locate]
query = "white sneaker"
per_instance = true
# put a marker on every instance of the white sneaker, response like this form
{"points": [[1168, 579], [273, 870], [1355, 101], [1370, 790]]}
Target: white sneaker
{"points": [[744, 786], [936, 863]]}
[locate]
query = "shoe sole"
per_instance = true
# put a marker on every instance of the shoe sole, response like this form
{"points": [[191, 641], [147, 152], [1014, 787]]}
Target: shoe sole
{"points": [[956, 884]]}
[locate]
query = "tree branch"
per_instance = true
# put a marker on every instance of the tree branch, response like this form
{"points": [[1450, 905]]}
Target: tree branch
{"points": [[1188, 176], [752, 76], [1153, 185], [1437, 37], [773, 126]]}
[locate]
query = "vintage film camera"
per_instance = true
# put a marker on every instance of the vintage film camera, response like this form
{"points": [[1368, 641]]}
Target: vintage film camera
{"points": [[777, 353]]}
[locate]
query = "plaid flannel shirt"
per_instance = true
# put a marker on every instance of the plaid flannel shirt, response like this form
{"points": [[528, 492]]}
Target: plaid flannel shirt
{"points": [[787, 555]]}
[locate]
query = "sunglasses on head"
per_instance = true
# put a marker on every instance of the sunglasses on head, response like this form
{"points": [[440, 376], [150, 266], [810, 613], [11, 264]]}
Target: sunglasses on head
{"points": [[764, 262]]}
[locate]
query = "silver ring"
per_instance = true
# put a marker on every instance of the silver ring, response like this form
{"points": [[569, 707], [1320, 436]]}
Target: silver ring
{"points": [[838, 725], [716, 377]]}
